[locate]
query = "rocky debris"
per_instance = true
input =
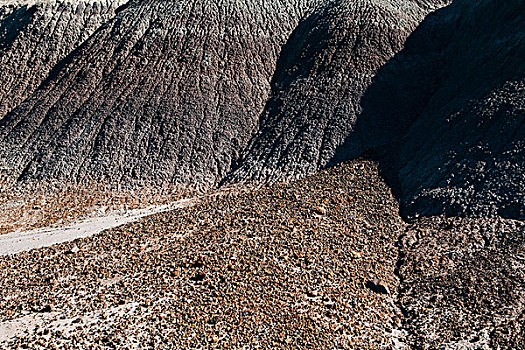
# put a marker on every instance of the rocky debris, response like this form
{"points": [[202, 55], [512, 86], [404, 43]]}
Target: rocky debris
{"points": [[166, 91], [261, 267], [323, 71], [462, 283], [271, 274], [308, 264], [320, 210], [46, 308], [446, 116], [510, 335], [35, 35]]}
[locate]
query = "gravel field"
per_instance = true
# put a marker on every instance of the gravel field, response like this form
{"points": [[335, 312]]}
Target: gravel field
{"points": [[321, 263], [305, 265], [463, 283]]}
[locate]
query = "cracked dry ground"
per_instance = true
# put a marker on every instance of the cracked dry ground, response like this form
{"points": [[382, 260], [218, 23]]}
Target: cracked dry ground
{"points": [[280, 267]]}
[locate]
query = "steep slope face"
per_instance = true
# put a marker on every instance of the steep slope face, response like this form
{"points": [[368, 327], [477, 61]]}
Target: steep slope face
{"points": [[322, 74], [35, 35], [448, 113], [466, 152], [477, 165], [168, 91]]}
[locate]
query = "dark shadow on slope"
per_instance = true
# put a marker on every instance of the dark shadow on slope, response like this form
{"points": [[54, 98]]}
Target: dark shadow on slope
{"points": [[394, 100], [320, 76], [55, 72], [299, 47], [397, 96], [431, 108], [123, 7], [14, 24]]}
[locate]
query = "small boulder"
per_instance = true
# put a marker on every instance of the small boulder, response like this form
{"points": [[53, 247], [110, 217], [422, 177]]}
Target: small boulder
{"points": [[377, 286]]}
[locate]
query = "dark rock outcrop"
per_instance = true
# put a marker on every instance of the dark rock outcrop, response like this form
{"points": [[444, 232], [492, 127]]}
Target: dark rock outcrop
{"points": [[167, 91], [36, 35], [325, 67]]}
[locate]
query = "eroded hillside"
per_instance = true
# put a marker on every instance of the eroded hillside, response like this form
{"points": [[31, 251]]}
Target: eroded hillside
{"points": [[166, 92], [198, 94], [321, 76], [447, 114], [176, 96], [36, 35]]}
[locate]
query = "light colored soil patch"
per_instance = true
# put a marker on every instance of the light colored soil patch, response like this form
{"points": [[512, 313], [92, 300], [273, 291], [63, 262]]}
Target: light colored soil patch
{"points": [[34, 206], [19, 326], [22, 241], [52, 322]]}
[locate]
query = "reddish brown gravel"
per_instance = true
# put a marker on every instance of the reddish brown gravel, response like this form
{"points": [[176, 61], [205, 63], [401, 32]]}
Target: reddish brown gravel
{"points": [[321, 263], [284, 267], [35, 205]]}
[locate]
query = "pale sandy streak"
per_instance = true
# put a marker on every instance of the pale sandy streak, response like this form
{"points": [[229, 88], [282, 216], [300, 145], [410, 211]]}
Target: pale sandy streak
{"points": [[17, 242]]}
